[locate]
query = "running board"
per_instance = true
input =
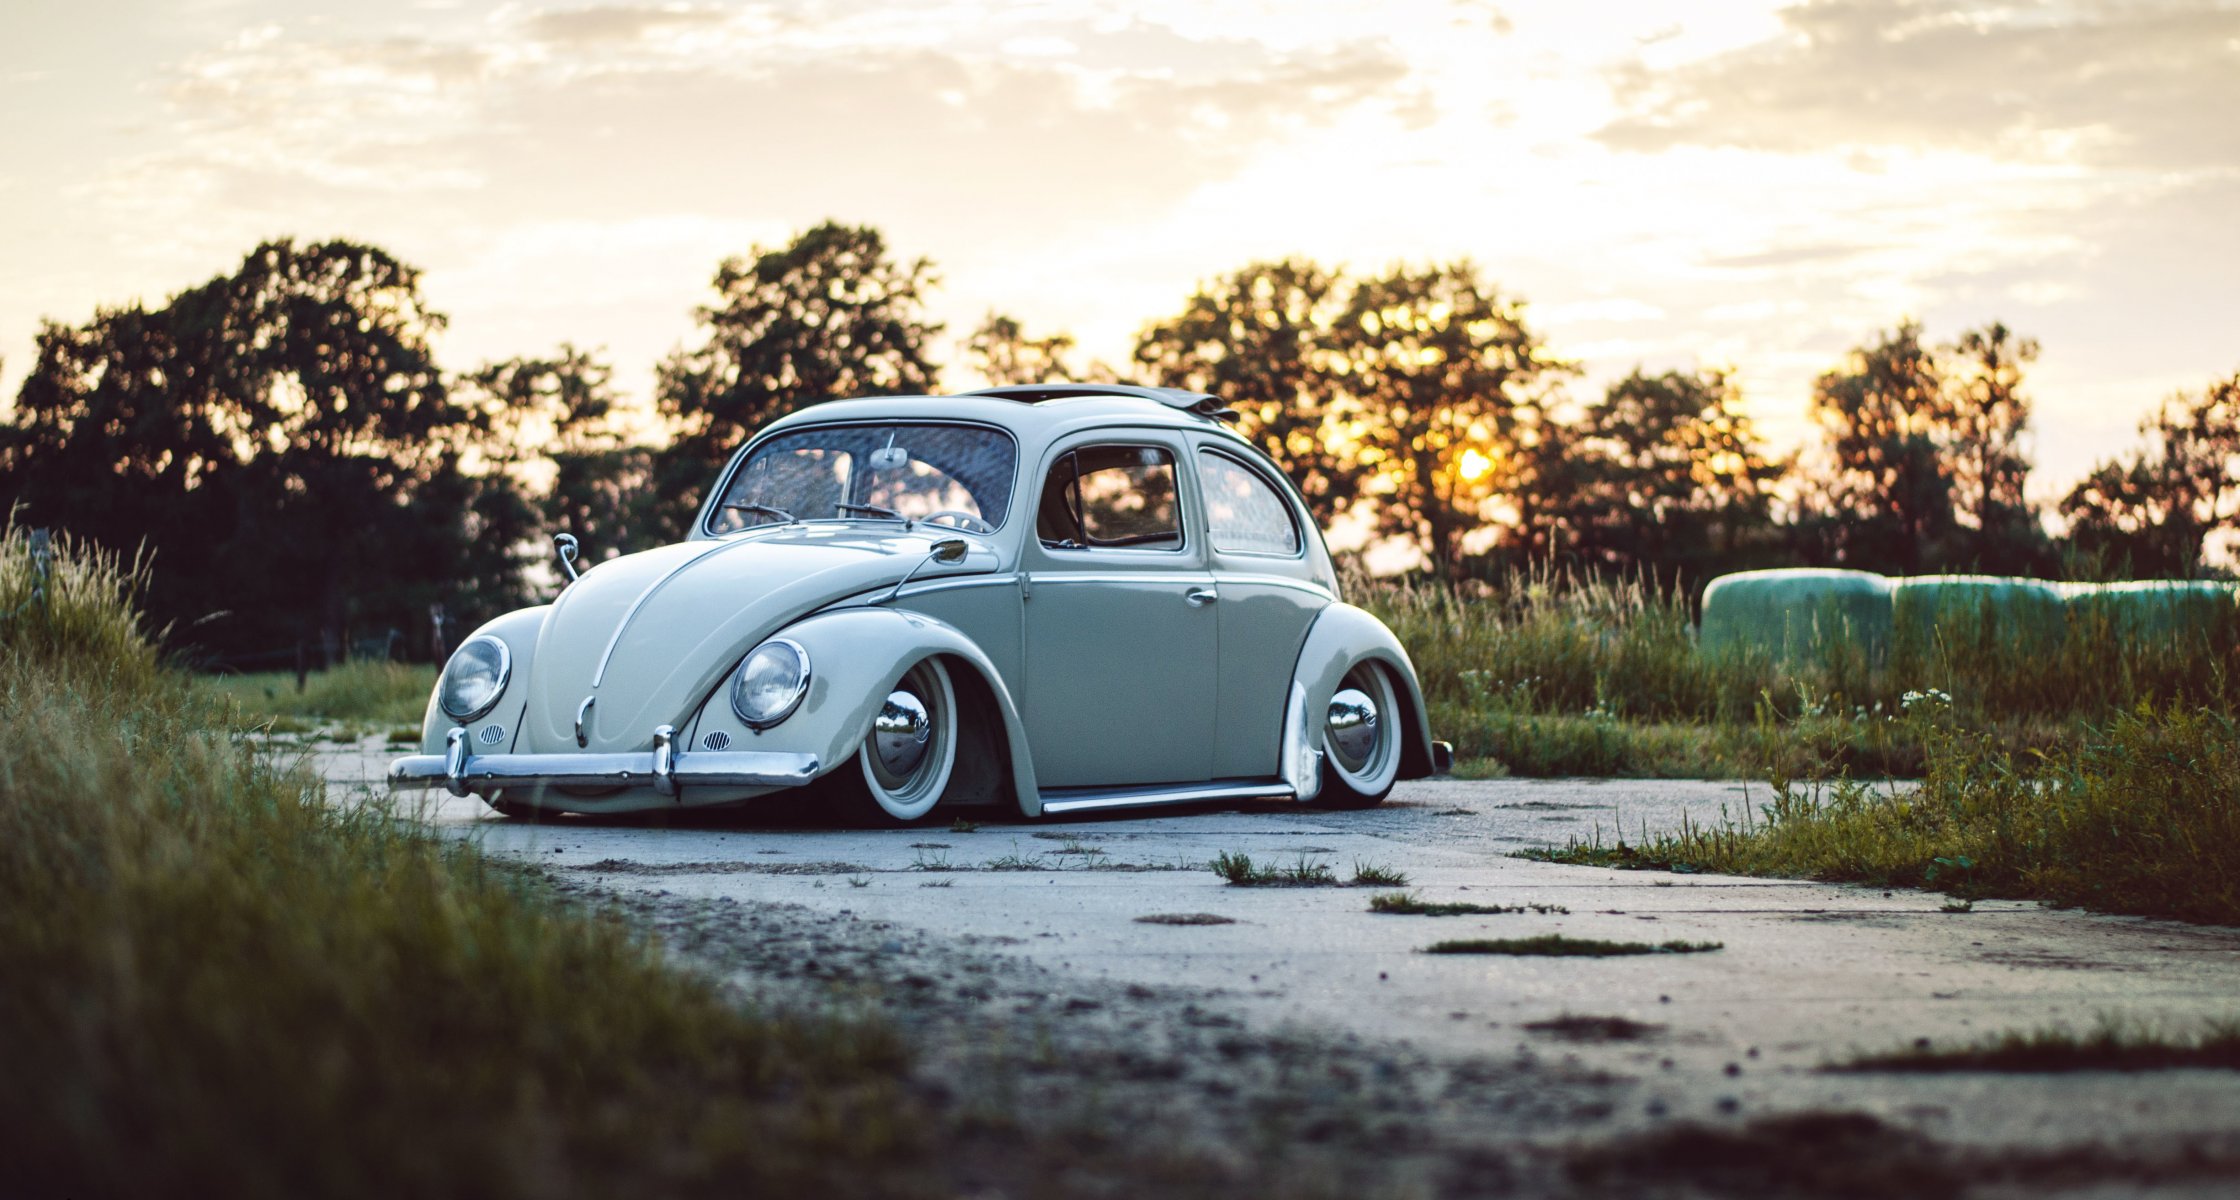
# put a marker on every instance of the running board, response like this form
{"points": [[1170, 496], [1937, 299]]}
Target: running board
{"points": [[1071, 800]]}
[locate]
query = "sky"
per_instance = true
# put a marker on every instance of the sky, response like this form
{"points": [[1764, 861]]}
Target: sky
{"points": [[1743, 185]]}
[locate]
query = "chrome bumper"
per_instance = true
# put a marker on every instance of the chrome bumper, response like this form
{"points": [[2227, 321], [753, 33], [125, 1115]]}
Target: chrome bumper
{"points": [[661, 768]]}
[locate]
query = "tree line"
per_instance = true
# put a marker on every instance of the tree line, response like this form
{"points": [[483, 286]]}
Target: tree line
{"points": [[305, 474]]}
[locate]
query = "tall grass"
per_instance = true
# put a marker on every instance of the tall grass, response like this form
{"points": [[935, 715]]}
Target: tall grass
{"points": [[1549, 674], [2139, 816], [359, 692], [214, 983]]}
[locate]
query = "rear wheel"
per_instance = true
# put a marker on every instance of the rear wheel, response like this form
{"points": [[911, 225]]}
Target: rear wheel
{"points": [[906, 763], [1360, 740]]}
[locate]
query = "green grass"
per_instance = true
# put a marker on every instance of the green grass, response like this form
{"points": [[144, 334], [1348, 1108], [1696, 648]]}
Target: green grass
{"points": [[1403, 904], [1542, 675], [361, 694], [2140, 816], [1376, 875], [218, 984], [2112, 1046], [1555, 945], [1241, 871]]}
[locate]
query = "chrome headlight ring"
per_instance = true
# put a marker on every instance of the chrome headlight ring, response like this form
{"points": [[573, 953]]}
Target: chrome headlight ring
{"points": [[770, 683], [475, 678]]}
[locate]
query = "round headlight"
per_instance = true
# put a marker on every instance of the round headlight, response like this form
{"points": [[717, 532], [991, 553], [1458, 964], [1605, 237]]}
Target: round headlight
{"points": [[474, 678], [771, 683]]}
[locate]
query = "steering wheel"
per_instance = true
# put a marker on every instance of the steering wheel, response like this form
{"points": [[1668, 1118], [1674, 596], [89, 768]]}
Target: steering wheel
{"points": [[965, 521]]}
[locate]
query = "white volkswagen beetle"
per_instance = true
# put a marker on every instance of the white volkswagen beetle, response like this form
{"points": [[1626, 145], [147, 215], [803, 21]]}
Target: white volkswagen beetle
{"points": [[1060, 598]]}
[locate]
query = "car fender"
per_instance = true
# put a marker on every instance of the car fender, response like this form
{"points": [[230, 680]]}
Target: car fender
{"points": [[855, 656], [1341, 637], [518, 630]]}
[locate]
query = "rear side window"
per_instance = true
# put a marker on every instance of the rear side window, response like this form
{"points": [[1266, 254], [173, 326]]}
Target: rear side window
{"points": [[1244, 514], [1100, 496]]}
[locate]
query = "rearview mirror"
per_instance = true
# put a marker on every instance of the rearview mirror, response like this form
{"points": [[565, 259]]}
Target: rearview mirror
{"points": [[888, 458]]}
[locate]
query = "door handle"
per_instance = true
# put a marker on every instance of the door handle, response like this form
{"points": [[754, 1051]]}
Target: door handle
{"points": [[1200, 597]]}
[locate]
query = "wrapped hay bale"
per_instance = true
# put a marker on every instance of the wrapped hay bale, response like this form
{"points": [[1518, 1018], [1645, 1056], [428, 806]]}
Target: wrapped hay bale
{"points": [[1796, 612], [2024, 614], [2151, 609]]}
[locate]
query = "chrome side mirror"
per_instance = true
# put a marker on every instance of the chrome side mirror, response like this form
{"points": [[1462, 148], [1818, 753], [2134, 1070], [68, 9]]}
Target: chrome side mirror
{"points": [[566, 546], [946, 551]]}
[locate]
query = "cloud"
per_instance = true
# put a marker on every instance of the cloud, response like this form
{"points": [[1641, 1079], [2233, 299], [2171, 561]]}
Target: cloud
{"points": [[615, 23], [2107, 82]]}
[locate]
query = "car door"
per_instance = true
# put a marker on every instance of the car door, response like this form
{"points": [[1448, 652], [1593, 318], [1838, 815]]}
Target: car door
{"points": [[1269, 596], [1122, 630]]}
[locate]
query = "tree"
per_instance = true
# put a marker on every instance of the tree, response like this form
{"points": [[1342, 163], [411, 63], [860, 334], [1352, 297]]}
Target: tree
{"points": [[1989, 416], [1885, 414], [1260, 339], [1443, 396], [1003, 353], [2152, 515], [280, 438], [549, 457], [828, 315], [1673, 478]]}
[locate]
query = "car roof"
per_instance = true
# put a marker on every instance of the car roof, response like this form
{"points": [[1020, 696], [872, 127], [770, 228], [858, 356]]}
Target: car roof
{"points": [[1039, 411]]}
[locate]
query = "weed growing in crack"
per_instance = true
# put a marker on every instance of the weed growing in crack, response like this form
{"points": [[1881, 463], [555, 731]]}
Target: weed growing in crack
{"points": [[1403, 904], [1241, 871], [1555, 945]]}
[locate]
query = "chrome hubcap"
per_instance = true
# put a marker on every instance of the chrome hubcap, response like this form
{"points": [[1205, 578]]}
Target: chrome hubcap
{"points": [[1352, 726], [900, 733]]}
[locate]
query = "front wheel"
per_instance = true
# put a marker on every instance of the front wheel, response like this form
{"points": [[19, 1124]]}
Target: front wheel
{"points": [[904, 766], [1360, 740]]}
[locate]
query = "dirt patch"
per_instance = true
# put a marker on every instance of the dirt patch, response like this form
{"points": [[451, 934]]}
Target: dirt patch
{"points": [[620, 866], [1186, 919], [2049, 960], [1572, 1028]]}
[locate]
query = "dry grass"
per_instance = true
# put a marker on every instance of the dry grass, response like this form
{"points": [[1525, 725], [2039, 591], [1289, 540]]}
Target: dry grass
{"points": [[218, 984]]}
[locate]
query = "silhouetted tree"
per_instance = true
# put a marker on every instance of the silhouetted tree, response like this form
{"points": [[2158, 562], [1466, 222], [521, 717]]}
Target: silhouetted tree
{"points": [[828, 315], [1444, 393], [1003, 353], [2152, 514], [1989, 416], [1672, 479], [1260, 339], [280, 437], [1885, 414]]}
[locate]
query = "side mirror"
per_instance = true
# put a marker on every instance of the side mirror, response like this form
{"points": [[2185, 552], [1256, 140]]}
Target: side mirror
{"points": [[946, 551]]}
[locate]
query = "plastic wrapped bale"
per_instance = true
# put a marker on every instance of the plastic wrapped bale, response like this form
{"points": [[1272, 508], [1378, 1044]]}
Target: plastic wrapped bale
{"points": [[2151, 609], [1988, 611], [1796, 612]]}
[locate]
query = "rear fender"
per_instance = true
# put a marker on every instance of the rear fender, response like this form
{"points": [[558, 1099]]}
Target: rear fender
{"points": [[1341, 637]]}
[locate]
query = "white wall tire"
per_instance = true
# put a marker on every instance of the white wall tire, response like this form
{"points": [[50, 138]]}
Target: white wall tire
{"points": [[893, 782], [1360, 758]]}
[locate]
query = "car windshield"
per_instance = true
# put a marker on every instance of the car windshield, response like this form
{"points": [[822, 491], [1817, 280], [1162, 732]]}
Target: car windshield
{"points": [[872, 471]]}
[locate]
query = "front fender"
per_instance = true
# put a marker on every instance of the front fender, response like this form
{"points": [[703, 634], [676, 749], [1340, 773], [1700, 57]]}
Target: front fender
{"points": [[518, 630], [1340, 637], [855, 657]]}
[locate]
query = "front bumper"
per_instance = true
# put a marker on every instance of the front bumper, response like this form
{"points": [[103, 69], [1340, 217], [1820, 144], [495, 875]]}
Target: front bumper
{"points": [[661, 768]]}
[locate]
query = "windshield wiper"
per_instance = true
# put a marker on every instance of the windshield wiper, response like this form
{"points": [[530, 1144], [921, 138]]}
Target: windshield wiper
{"points": [[773, 510], [876, 510]]}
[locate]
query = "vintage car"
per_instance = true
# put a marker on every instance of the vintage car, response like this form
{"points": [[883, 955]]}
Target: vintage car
{"points": [[1060, 598]]}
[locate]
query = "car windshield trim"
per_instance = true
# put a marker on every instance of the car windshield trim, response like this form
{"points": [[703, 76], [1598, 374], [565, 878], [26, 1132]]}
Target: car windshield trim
{"points": [[715, 505]]}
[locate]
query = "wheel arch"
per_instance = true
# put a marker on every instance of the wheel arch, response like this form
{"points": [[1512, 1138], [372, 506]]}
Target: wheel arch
{"points": [[856, 653], [1341, 637]]}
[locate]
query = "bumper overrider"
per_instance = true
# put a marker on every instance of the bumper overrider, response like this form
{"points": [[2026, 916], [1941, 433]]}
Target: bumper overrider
{"points": [[662, 768]]}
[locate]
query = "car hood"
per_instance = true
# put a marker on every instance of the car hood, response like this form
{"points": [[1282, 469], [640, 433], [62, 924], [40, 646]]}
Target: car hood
{"points": [[649, 635]]}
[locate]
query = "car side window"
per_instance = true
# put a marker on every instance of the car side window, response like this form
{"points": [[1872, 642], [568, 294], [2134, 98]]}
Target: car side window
{"points": [[1103, 496], [1244, 515]]}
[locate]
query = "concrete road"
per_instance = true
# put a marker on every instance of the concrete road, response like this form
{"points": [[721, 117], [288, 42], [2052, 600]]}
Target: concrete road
{"points": [[1809, 974]]}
